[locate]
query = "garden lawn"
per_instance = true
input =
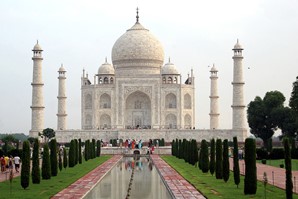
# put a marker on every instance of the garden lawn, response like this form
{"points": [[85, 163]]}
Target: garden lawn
{"points": [[48, 188], [276, 163], [210, 187]]}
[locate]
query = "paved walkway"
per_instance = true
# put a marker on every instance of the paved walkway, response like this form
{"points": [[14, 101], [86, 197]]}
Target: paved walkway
{"points": [[79, 188], [276, 176], [178, 185], [5, 175]]}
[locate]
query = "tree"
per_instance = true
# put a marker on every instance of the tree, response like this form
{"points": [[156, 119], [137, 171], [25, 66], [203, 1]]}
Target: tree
{"points": [[35, 174], [65, 161], [86, 152], [54, 159], [204, 156], [76, 154], [80, 151], [225, 162], [47, 134], [261, 115], [236, 169], [250, 180], [218, 168], [46, 164], [25, 172], [288, 166], [98, 143], [71, 154], [212, 156], [293, 102], [60, 160], [93, 149]]}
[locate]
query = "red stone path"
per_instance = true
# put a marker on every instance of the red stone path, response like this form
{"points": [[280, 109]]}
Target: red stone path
{"points": [[81, 187], [276, 176], [5, 175], [178, 185]]}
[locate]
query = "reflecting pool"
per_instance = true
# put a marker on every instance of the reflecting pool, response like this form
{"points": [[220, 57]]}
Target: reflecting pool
{"points": [[131, 178]]}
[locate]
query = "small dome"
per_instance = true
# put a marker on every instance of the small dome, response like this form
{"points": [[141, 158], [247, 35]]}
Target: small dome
{"points": [[169, 69], [37, 47], [62, 69], [106, 69], [213, 69], [238, 46]]}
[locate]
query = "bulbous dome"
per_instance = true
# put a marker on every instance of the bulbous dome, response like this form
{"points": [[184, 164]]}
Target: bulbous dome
{"points": [[106, 69], [138, 49], [169, 69], [238, 46], [37, 47]]}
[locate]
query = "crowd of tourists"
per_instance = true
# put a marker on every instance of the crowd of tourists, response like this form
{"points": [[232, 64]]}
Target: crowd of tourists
{"points": [[7, 163]]}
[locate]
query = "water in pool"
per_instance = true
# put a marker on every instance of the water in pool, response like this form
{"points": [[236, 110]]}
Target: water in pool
{"points": [[131, 178]]}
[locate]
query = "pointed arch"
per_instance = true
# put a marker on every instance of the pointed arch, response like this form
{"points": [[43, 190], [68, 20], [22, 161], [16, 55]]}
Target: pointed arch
{"points": [[88, 121], [171, 121], [88, 101], [171, 101], [187, 101], [187, 121], [105, 121], [105, 101]]}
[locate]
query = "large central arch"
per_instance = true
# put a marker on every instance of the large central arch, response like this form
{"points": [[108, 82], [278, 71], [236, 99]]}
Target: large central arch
{"points": [[137, 110]]}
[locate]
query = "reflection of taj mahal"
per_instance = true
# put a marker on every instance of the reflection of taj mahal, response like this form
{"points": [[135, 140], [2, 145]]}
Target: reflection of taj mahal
{"points": [[138, 91]]}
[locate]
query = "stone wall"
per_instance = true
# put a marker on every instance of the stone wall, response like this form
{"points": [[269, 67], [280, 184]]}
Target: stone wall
{"points": [[105, 135]]}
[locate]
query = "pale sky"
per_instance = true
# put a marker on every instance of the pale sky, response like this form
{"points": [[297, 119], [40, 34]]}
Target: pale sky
{"points": [[194, 33]]}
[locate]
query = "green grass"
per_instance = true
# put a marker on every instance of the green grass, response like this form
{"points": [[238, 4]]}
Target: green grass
{"points": [[48, 188], [213, 188], [276, 163]]}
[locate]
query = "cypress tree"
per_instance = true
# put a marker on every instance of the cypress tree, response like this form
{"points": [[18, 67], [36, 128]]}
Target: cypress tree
{"points": [[65, 161], [236, 169], [218, 160], [293, 148], [180, 145], [177, 148], [46, 164], [250, 180], [86, 150], [212, 156], [196, 152], [200, 158], [60, 160], [173, 147], [25, 171], [97, 148], [288, 167], [71, 154], [184, 143], [225, 162], [76, 154], [204, 156], [35, 174], [54, 159], [80, 151], [93, 149]]}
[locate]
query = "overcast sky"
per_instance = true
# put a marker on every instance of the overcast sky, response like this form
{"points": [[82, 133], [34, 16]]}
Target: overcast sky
{"points": [[195, 34]]}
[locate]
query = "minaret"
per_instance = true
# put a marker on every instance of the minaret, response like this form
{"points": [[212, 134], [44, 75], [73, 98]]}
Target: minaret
{"points": [[61, 115], [238, 105], [214, 115], [37, 120]]}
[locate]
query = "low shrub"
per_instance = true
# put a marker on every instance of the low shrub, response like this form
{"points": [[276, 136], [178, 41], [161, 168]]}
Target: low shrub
{"points": [[277, 153], [264, 161], [281, 165], [261, 153]]}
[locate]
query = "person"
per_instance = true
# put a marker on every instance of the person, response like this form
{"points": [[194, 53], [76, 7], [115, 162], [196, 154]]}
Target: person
{"points": [[2, 164], [17, 161], [10, 165]]}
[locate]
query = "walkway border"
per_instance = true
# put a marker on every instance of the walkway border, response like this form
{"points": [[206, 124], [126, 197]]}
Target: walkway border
{"points": [[179, 187], [83, 185]]}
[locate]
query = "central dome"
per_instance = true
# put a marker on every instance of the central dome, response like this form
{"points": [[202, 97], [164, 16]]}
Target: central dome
{"points": [[137, 49]]}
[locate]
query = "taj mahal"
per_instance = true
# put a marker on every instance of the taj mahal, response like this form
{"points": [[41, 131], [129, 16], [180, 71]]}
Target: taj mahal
{"points": [[139, 96]]}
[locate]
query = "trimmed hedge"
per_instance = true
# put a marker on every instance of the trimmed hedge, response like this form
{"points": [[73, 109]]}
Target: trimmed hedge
{"points": [[250, 180]]}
